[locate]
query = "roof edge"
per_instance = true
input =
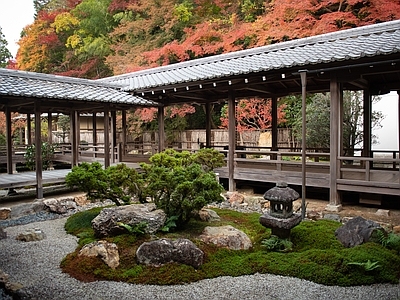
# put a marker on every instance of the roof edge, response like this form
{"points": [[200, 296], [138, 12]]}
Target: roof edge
{"points": [[341, 34]]}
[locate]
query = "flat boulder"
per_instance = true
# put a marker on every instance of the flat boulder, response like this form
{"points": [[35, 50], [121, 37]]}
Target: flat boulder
{"points": [[107, 223], [226, 237], [164, 251], [358, 231]]}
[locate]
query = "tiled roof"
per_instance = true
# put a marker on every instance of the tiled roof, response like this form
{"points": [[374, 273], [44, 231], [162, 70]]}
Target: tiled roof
{"points": [[36, 85], [345, 45]]}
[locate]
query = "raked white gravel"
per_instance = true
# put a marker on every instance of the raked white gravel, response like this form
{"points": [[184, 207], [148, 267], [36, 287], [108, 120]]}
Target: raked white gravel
{"points": [[36, 266]]}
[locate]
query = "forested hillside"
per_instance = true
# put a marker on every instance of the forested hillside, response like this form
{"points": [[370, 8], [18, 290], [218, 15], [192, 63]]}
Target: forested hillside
{"points": [[98, 38]]}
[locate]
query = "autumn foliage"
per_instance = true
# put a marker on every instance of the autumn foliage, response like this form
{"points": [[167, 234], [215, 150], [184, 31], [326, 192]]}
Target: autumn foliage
{"points": [[95, 38], [253, 114]]}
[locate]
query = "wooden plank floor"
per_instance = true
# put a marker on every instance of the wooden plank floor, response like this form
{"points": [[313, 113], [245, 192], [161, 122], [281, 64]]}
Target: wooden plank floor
{"points": [[29, 178]]}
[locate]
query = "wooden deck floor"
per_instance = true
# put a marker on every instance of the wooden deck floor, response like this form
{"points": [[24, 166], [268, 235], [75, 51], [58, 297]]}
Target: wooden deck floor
{"points": [[29, 178]]}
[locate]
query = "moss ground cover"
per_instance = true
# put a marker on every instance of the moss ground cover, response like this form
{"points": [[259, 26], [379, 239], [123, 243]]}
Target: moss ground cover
{"points": [[316, 255]]}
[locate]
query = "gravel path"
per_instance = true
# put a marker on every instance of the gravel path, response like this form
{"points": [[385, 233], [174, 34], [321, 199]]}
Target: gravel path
{"points": [[36, 266]]}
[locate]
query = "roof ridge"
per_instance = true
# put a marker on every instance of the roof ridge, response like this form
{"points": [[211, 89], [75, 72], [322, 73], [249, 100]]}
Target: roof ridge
{"points": [[51, 77], [341, 34]]}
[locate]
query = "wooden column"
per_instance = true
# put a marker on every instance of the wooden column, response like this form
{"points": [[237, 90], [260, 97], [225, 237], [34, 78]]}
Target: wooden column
{"points": [[232, 140], [9, 141], [113, 134], [106, 137], [29, 129], [75, 138], [367, 123], [161, 129], [303, 75], [94, 126], [335, 144], [208, 125], [50, 128], [123, 140], [38, 152], [274, 127]]}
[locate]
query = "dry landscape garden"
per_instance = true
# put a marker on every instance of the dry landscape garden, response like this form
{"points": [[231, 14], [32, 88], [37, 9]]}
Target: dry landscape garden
{"points": [[180, 184]]}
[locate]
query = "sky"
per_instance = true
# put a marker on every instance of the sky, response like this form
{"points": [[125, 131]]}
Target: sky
{"points": [[16, 14]]}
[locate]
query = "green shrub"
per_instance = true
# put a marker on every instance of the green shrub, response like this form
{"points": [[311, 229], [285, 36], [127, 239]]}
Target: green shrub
{"points": [[89, 178], [274, 243], [47, 153], [179, 184]]}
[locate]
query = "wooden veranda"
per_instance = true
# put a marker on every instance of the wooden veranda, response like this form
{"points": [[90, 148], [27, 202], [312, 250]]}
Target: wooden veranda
{"points": [[361, 59]]}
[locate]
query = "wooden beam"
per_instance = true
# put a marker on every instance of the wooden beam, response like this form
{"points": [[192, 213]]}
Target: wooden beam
{"points": [[232, 140], [38, 152]]}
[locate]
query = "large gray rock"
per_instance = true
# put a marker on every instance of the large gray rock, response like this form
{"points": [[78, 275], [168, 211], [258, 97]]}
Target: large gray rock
{"points": [[108, 252], [106, 223], [164, 251], [226, 237], [357, 231]]}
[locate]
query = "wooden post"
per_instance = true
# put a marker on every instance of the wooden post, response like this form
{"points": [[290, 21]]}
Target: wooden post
{"points": [[208, 125], [49, 128], [106, 137], [232, 140], [9, 141], [274, 105], [367, 124], [94, 133], [74, 139], [335, 140], [303, 75], [123, 140], [29, 129], [113, 134], [38, 152], [161, 129]]}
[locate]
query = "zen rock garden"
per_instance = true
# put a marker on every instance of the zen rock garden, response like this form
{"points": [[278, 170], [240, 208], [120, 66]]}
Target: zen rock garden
{"points": [[278, 216]]}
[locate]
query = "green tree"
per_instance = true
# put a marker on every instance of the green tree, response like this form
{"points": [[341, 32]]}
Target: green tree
{"points": [[318, 121], [5, 54]]}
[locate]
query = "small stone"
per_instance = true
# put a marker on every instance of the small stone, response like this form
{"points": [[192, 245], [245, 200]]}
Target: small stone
{"points": [[383, 212], [396, 229], [5, 213], [333, 217], [236, 198], [81, 200], [3, 234], [31, 235], [208, 215]]}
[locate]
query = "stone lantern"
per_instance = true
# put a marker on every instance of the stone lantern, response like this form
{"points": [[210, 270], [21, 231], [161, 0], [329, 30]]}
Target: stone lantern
{"points": [[281, 218]]}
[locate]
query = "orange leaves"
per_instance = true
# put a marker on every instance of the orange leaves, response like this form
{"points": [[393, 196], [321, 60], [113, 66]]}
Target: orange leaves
{"points": [[252, 114]]}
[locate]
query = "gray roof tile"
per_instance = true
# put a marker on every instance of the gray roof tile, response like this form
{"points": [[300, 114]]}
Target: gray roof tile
{"points": [[352, 44], [36, 85]]}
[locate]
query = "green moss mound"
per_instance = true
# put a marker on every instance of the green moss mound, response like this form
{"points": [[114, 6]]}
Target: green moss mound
{"points": [[317, 255]]}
